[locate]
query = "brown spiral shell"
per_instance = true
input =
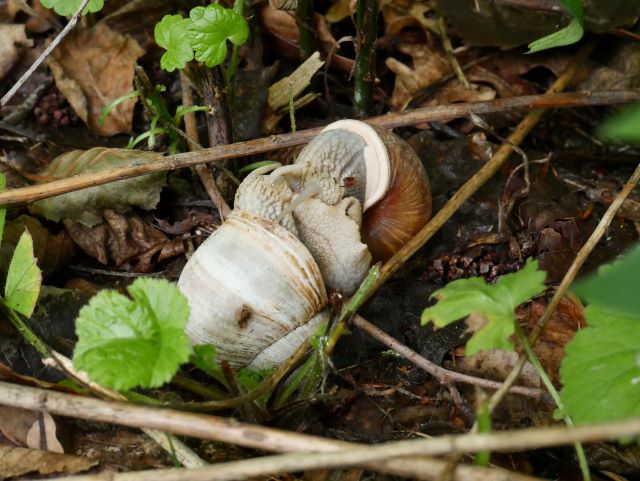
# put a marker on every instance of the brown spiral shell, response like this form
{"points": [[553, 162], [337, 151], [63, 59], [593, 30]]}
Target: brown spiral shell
{"points": [[406, 207]]}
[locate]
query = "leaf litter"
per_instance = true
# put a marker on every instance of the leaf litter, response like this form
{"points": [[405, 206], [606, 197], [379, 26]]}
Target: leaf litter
{"points": [[143, 227]]}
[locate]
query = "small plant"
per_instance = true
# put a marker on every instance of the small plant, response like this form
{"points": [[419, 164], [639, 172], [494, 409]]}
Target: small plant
{"points": [[144, 333], [22, 286], [202, 36], [493, 306], [568, 35]]}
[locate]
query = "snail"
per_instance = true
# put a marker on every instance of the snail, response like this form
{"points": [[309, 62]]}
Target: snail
{"points": [[257, 287]]}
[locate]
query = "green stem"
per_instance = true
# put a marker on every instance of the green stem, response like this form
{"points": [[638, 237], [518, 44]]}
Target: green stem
{"points": [[365, 75], [26, 332], [229, 72], [524, 342], [350, 308], [304, 16]]}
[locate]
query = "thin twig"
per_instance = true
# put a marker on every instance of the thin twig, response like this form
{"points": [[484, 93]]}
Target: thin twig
{"points": [[275, 142], [166, 441], [443, 375], [63, 33], [227, 430], [569, 277]]}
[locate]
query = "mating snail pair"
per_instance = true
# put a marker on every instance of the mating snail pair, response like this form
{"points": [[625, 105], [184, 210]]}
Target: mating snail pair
{"points": [[257, 286]]}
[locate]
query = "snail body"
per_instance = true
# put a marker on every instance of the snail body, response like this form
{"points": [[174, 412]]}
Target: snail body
{"points": [[257, 286]]}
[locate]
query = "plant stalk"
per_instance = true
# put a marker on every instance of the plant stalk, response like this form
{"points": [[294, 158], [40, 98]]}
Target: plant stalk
{"points": [[366, 25]]}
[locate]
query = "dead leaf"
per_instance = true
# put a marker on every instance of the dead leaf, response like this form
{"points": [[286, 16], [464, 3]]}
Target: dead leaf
{"points": [[125, 242], [497, 364], [18, 461], [31, 429], [92, 67], [566, 320], [53, 251], [14, 40], [340, 10], [86, 205], [454, 92], [429, 66]]}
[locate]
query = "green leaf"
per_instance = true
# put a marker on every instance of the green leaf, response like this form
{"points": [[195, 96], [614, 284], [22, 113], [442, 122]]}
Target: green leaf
{"points": [[69, 7], [171, 33], [623, 127], [612, 286], [493, 306], [204, 357], [23, 278], [210, 28], [601, 368], [123, 343], [565, 36], [3, 211]]}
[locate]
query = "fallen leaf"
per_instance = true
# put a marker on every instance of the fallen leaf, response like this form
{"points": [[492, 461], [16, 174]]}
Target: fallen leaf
{"points": [[92, 67], [53, 251], [429, 66], [31, 429], [18, 461], [86, 205], [340, 10], [124, 242], [496, 364], [14, 40], [566, 320]]}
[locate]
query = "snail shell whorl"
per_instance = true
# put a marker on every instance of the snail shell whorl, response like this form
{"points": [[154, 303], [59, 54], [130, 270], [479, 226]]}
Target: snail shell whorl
{"points": [[405, 208], [253, 287]]}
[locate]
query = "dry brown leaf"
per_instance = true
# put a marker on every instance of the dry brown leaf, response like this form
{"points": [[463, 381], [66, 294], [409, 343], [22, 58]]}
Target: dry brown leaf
{"points": [[497, 364], [17, 461], [14, 40], [429, 66], [340, 10], [454, 92], [124, 242], [566, 320], [92, 67], [32, 429]]}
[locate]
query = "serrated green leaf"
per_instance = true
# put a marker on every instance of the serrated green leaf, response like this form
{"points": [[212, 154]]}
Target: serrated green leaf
{"points": [[492, 306], [210, 29], [172, 34], [23, 278], [3, 211], [615, 285], [69, 7], [601, 368], [565, 36], [622, 127], [144, 333]]}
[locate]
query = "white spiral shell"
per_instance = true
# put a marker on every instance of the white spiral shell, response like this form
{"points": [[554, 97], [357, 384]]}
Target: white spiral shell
{"points": [[255, 292]]}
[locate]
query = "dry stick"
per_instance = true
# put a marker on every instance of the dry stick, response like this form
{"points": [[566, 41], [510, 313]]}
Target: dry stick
{"points": [[445, 376], [275, 142], [63, 33], [342, 454], [166, 441], [569, 277], [225, 430]]}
